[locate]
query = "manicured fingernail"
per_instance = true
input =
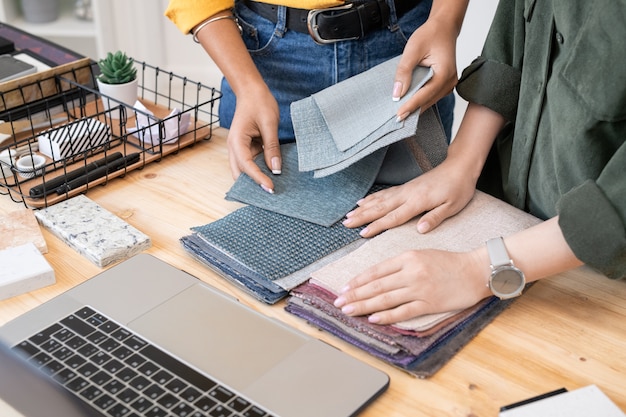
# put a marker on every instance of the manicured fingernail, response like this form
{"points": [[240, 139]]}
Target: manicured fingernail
{"points": [[276, 169], [267, 189], [339, 302], [347, 310], [402, 117], [347, 222], [397, 90], [344, 289], [373, 318], [364, 232], [423, 227]]}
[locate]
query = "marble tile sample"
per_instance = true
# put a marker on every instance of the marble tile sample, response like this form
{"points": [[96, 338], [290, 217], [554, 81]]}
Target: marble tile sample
{"points": [[19, 227], [92, 231], [23, 269]]}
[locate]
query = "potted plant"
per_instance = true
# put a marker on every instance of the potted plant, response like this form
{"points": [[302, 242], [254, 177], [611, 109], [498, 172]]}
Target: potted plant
{"points": [[117, 80]]}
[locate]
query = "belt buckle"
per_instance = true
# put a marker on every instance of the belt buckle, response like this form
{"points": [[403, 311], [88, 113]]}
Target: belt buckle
{"points": [[311, 23]]}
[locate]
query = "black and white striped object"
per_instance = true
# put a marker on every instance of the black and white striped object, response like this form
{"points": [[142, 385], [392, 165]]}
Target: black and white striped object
{"points": [[74, 138]]}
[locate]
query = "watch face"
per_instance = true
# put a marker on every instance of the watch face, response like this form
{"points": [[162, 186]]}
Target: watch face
{"points": [[507, 281]]}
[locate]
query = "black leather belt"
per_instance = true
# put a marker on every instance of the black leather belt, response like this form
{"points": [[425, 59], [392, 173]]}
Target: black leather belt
{"points": [[351, 21]]}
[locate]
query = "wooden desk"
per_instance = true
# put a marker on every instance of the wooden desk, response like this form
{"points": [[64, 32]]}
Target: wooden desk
{"points": [[569, 331]]}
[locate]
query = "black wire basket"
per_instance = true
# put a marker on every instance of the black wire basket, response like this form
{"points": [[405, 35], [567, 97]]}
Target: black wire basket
{"points": [[61, 136]]}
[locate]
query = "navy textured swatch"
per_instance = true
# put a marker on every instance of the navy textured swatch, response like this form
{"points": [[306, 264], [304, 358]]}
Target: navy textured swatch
{"points": [[254, 246]]}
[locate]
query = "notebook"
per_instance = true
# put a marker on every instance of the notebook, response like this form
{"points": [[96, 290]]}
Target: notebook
{"points": [[167, 344]]}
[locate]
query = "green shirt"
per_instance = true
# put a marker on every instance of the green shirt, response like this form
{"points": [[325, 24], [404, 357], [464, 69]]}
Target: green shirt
{"points": [[555, 69]]}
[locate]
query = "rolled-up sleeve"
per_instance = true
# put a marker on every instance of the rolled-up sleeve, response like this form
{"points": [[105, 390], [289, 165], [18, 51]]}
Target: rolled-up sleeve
{"points": [[186, 14], [491, 84], [592, 218], [493, 79]]}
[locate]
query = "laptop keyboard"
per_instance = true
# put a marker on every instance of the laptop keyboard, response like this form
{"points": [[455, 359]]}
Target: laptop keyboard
{"points": [[123, 375]]}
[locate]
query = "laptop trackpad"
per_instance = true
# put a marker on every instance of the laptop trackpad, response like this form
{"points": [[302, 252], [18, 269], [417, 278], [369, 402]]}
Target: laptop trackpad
{"points": [[218, 335]]}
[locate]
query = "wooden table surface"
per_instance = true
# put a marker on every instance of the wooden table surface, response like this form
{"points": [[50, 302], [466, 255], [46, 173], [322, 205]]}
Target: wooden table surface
{"points": [[568, 331]]}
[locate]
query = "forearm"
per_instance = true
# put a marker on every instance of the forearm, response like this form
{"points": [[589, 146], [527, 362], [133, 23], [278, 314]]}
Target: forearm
{"points": [[449, 15], [539, 251], [221, 39], [475, 137]]}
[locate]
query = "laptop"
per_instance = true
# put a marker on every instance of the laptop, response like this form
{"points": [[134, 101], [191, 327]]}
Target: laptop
{"points": [[144, 338]]}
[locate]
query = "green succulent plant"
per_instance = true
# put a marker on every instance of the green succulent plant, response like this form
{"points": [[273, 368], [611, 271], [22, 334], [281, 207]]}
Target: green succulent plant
{"points": [[117, 68]]}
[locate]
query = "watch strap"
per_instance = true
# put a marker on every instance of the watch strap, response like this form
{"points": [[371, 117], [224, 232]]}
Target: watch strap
{"points": [[498, 254]]}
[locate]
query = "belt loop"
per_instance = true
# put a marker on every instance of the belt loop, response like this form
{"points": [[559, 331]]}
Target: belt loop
{"points": [[393, 16], [281, 21]]}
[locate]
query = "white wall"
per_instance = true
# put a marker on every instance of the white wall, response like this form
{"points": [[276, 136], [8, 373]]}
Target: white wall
{"points": [[475, 27]]}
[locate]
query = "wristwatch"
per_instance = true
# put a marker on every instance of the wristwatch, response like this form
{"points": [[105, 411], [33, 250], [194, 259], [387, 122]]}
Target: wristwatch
{"points": [[506, 281]]}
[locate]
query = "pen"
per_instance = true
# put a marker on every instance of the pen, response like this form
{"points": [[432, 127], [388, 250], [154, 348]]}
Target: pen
{"points": [[99, 172], [533, 399], [49, 187]]}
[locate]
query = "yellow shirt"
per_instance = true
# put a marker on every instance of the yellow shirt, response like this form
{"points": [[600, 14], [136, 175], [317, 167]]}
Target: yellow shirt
{"points": [[186, 14]]}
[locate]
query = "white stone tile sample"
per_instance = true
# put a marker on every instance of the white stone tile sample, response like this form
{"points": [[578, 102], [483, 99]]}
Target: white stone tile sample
{"points": [[23, 269], [92, 231]]}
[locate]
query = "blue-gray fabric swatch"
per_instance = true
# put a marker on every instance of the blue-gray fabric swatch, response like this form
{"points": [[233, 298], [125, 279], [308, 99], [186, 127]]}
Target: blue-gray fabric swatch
{"points": [[323, 201]]}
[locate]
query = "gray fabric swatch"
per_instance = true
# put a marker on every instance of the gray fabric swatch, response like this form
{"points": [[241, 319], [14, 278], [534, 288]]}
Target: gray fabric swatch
{"points": [[413, 156], [261, 289], [339, 161], [351, 119], [323, 201]]}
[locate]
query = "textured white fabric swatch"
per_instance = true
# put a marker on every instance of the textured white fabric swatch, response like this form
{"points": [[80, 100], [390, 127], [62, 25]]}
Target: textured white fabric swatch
{"points": [[483, 218]]}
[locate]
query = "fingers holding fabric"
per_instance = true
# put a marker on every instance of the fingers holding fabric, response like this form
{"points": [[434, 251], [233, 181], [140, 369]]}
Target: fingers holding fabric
{"points": [[254, 130], [427, 47]]}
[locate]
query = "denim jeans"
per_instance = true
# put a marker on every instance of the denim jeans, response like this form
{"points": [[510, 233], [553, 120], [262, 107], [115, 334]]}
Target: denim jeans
{"points": [[294, 66]]}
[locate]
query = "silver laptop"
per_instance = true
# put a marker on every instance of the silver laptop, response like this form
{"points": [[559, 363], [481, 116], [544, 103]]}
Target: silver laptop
{"points": [[146, 339]]}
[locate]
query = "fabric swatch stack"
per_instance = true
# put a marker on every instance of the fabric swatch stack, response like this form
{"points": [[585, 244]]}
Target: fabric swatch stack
{"points": [[422, 345], [266, 253]]}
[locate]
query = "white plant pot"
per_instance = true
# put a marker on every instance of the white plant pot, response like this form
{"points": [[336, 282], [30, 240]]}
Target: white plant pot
{"points": [[125, 93], [40, 11]]}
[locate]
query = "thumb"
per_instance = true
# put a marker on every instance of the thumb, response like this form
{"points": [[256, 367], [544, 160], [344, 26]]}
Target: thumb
{"points": [[402, 79], [273, 159], [271, 146]]}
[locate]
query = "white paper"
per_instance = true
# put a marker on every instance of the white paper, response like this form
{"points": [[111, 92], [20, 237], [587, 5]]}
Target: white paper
{"points": [[150, 134]]}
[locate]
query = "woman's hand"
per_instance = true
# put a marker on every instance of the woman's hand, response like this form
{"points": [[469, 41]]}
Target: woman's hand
{"points": [[435, 281], [439, 193], [431, 45], [254, 129], [417, 283]]}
